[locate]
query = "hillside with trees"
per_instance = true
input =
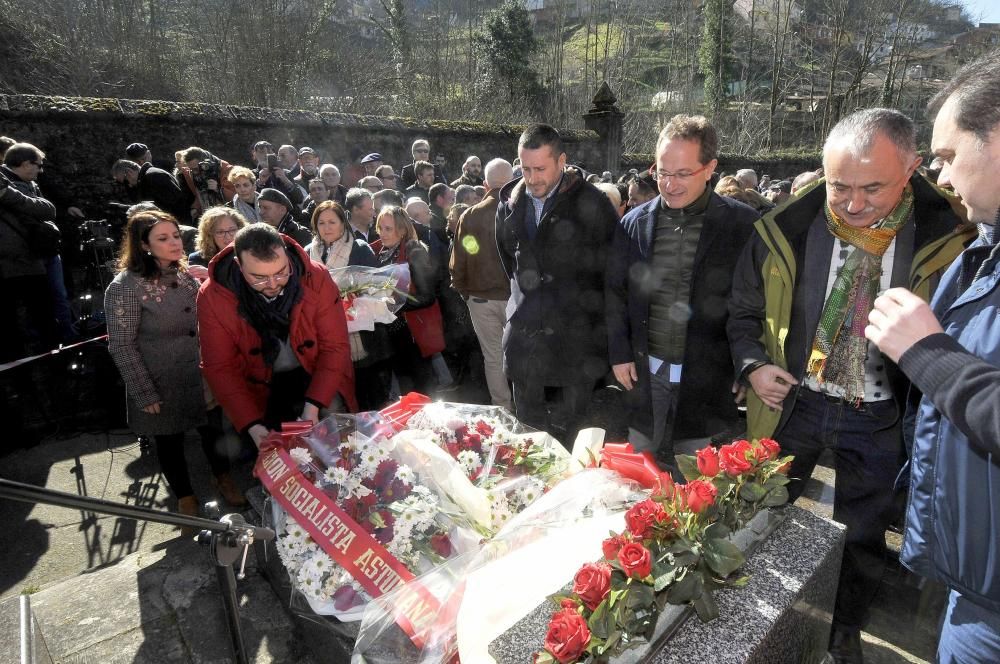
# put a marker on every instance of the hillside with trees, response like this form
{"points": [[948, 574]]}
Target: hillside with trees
{"points": [[774, 74]]}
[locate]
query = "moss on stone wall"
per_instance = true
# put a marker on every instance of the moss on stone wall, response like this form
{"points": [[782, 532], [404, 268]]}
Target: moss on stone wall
{"points": [[83, 136], [200, 112]]}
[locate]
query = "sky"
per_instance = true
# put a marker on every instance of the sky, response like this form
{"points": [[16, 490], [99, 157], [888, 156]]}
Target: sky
{"points": [[989, 9]]}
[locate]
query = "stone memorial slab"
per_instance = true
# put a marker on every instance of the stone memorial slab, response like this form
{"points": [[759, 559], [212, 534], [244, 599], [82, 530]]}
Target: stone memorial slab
{"points": [[782, 615]]}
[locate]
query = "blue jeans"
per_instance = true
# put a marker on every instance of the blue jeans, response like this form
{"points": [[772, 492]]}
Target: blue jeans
{"points": [[60, 299], [970, 634], [868, 449]]}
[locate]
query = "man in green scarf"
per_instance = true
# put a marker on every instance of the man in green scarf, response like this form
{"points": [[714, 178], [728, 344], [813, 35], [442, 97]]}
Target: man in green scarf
{"points": [[799, 306]]}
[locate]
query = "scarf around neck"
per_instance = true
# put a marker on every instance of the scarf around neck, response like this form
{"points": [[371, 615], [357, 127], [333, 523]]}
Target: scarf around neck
{"points": [[270, 318], [840, 347]]}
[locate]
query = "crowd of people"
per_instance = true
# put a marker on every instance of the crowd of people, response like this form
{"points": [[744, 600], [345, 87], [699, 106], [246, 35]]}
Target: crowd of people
{"points": [[688, 291]]}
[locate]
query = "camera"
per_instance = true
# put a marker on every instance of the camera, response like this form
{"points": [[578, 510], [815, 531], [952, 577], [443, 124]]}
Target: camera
{"points": [[95, 232], [272, 161], [209, 169]]}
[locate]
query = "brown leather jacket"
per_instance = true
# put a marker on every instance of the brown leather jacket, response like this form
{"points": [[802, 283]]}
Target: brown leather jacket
{"points": [[475, 265]]}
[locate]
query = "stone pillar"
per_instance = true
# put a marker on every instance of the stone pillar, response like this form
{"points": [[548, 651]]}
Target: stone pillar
{"points": [[608, 121]]}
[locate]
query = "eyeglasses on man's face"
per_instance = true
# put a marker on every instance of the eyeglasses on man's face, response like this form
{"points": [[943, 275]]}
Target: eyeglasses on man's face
{"points": [[277, 279], [679, 175]]}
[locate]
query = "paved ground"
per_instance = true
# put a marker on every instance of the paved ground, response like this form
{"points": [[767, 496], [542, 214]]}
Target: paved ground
{"points": [[46, 545]]}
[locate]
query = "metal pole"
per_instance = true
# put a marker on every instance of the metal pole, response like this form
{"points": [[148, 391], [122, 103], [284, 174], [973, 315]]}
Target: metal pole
{"points": [[27, 631], [227, 539], [227, 586], [30, 493]]}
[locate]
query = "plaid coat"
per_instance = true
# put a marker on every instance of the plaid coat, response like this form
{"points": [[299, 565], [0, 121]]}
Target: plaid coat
{"points": [[153, 339]]}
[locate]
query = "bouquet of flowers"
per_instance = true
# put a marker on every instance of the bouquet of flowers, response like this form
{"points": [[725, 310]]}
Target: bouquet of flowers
{"points": [[372, 294], [349, 463], [510, 464], [676, 549]]}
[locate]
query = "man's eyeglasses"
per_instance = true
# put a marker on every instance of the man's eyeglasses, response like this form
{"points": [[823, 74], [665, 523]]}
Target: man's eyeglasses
{"points": [[680, 175], [276, 279]]}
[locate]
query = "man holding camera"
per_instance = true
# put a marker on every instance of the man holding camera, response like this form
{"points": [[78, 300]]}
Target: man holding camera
{"points": [[206, 177], [308, 167], [154, 184], [272, 175]]}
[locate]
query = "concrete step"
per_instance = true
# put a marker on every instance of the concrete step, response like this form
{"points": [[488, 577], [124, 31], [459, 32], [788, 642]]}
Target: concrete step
{"points": [[157, 607]]}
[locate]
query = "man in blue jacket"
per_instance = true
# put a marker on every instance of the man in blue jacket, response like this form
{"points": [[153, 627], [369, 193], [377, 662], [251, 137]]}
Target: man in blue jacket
{"points": [[951, 352]]}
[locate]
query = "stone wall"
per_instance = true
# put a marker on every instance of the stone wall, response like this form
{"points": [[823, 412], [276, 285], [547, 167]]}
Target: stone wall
{"points": [[82, 137]]}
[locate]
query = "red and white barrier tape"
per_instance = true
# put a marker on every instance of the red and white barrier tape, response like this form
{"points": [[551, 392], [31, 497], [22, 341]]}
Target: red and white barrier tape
{"points": [[54, 351]]}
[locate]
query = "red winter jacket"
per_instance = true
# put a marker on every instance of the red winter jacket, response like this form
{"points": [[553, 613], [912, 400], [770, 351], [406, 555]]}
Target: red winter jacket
{"points": [[230, 348]]}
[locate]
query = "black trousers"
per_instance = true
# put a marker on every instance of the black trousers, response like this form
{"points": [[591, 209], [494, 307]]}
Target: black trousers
{"points": [[413, 369], [173, 462], [556, 409], [37, 331], [868, 449]]}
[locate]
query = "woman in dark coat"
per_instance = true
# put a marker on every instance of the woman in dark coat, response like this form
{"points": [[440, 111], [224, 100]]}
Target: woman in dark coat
{"points": [[418, 332], [216, 229], [153, 339], [335, 247]]}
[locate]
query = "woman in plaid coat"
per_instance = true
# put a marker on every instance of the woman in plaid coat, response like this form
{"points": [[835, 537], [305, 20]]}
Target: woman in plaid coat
{"points": [[153, 339]]}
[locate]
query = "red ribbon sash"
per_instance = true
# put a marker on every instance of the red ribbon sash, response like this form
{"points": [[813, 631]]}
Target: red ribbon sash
{"points": [[638, 466], [347, 543]]}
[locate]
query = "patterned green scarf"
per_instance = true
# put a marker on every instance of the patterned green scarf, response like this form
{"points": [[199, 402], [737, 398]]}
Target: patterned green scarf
{"points": [[840, 346]]}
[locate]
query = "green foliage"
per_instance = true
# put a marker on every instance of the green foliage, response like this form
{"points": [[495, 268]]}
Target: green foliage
{"points": [[688, 465], [710, 54], [508, 44], [722, 556]]}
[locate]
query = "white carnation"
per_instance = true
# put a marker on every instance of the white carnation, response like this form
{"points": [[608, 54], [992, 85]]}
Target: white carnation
{"points": [[301, 456]]}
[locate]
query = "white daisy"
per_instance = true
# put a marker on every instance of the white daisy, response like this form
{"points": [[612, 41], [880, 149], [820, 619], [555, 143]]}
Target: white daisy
{"points": [[336, 475], [469, 460], [529, 490], [405, 474]]}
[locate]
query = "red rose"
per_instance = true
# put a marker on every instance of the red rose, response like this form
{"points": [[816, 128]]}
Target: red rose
{"points": [[771, 446], [612, 545], [441, 544], [568, 603], [635, 560], [733, 458], [643, 516], [568, 636], [708, 461], [592, 583], [484, 429], [700, 494]]}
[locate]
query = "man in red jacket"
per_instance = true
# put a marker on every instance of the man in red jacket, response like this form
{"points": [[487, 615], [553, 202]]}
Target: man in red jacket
{"points": [[274, 342]]}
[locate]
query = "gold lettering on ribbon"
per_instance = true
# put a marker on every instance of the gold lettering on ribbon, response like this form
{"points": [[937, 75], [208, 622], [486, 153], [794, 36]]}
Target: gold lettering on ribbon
{"points": [[274, 466], [416, 609], [373, 567]]}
